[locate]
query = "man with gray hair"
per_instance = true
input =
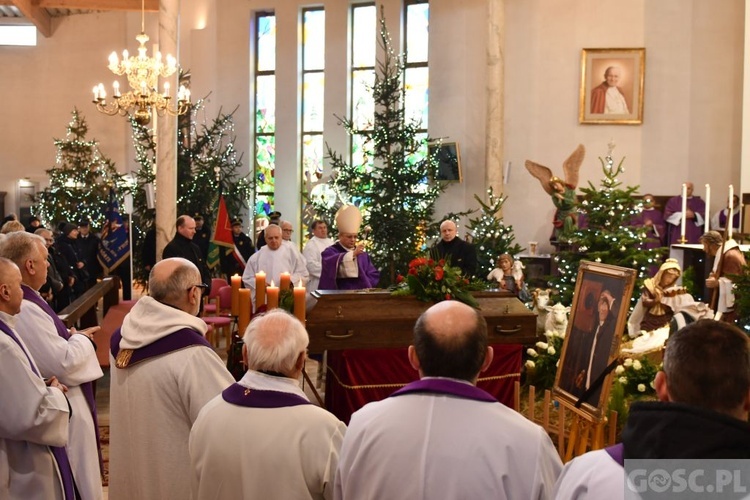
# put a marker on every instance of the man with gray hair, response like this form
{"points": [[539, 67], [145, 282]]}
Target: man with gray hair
{"points": [[70, 355], [281, 445], [163, 372], [441, 436]]}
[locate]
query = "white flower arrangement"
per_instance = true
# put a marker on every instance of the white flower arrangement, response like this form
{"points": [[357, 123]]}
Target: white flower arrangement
{"points": [[636, 365], [641, 388], [623, 380], [542, 345], [532, 353], [530, 364], [627, 363], [551, 350], [619, 370]]}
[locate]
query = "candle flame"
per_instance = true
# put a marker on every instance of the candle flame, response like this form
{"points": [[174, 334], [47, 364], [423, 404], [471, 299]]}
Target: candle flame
{"points": [[299, 284]]}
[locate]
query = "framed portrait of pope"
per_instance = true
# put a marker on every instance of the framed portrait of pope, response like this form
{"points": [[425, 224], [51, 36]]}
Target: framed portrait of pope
{"points": [[611, 89]]}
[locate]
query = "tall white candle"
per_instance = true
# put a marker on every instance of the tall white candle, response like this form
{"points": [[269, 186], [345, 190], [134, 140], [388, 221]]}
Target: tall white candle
{"points": [[730, 219], [706, 218], [684, 213]]}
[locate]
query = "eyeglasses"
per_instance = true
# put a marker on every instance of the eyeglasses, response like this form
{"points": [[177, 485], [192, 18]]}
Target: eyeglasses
{"points": [[202, 286], [288, 230]]}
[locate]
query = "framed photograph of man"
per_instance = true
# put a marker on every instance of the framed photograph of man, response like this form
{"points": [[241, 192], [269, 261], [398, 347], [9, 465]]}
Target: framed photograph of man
{"points": [[448, 158], [597, 321], [612, 86]]}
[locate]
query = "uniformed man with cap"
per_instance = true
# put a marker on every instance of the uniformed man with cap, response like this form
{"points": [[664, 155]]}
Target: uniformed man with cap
{"points": [[234, 262], [345, 264], [273, 218]]}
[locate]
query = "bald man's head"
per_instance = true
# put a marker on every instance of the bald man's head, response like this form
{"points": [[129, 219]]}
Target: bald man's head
{"points": [[450, 340], [175, 282], [11, 293], [448, 230]]}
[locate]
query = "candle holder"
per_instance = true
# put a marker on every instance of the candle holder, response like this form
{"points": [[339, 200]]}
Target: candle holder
{"points": [[682, 240]]}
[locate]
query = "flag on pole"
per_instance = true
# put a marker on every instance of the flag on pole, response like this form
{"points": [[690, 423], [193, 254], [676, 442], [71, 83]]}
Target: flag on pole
{"points": [[222, 242], [114, 247]]}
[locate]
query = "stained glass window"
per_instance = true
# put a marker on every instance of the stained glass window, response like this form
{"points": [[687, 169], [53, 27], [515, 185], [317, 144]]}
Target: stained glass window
{"points": [[313, 97], [363, 53], [265, 112], [416, 75]]}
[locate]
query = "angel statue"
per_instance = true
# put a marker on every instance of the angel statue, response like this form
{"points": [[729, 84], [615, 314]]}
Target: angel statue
{"points": [[563, 193]]}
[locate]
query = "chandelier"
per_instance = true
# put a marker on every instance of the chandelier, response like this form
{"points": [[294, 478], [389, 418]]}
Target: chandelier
{"points": [[142, 73]]}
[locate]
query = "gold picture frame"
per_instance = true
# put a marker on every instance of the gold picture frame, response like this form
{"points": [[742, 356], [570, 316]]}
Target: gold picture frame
{"points": [[612, 86], [448, 158], [592, 341]]}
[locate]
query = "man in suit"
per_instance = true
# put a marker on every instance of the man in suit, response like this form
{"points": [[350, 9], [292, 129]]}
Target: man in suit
{"points": [[182, 246]]}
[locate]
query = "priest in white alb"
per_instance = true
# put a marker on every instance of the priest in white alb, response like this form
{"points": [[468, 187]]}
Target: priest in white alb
{"points": [[69, 355], [262, 438], [313, 248], [33, 416], [163, 371], [273, 259]]}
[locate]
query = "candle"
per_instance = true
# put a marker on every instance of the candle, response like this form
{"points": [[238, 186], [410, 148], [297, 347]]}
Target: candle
{"points": [[260, 289], [707, 217], [285, 281], [273, 296], [236, 281], [244, 304], [730, 219], [299, 301], [684, 213]]}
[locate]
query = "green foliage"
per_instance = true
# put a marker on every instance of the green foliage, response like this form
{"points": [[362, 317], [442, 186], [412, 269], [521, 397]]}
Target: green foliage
{"points": [[742, 297], [541, 362], [609, 237], [391, 185], [207, 165], [491, 236], [636, 376], [79, 182], [434, 281]]}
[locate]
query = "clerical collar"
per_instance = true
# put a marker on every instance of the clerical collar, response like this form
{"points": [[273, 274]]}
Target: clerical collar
{"points": [[272, 373]]}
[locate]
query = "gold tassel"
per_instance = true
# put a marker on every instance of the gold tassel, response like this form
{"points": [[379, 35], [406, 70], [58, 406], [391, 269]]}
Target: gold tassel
{"points": [[123, 358]]}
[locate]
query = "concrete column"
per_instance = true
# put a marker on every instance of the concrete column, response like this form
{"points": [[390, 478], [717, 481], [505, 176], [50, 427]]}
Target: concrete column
{"points": [[166, 133], [495, 94]]}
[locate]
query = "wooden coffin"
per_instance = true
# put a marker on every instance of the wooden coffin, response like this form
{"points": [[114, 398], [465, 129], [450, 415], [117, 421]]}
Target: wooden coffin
{"points": [[377, 319]]}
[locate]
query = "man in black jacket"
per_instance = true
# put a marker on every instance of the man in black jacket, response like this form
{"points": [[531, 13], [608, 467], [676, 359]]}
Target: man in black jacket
{"points": [[182, 246]]}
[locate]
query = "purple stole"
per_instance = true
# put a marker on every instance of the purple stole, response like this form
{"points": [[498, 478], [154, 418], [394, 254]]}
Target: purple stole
{"points": [[735, 218], [616, 451], [446, 387], [58, 452], [87, 387], [240, 395], [181, 339]]}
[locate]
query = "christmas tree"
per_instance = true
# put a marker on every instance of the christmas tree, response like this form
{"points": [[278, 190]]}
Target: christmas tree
{"points": [[491, 236], [391, 186], [207, 165], [608, 235], [79, 182]]}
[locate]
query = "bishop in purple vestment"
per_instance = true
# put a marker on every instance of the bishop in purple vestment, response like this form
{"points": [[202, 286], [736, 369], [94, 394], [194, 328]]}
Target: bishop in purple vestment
{"points": [[694, 222], [345, 264]]}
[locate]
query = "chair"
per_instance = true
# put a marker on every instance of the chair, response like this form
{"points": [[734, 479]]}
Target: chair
{"points": [[213, 295], [222, 319], [220, 324], [224, 301]]}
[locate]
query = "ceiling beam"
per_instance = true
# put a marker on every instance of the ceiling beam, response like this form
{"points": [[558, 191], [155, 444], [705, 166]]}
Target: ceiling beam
{"points": [[128, 5], [36, 15]]}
